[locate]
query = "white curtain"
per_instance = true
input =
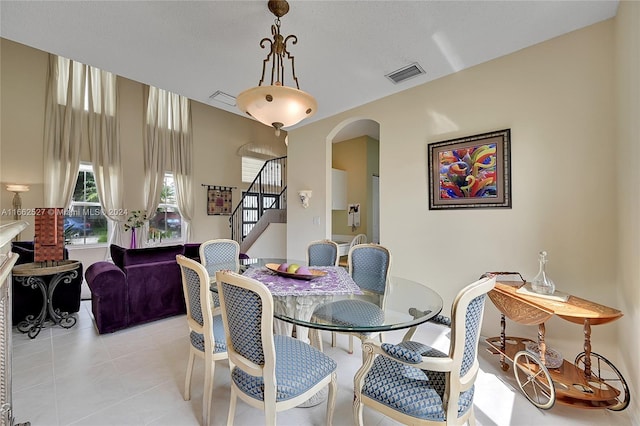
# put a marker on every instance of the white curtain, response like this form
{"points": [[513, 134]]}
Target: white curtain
{"points": [[104, 149], [181, 161], [168, 119], [63, 129]]}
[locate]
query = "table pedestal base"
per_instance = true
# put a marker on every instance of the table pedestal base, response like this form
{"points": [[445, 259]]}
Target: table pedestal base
{"points": [[32, 325]]}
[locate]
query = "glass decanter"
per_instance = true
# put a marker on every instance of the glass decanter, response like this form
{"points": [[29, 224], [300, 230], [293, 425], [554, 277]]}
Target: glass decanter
{"points": [[542, 284]]}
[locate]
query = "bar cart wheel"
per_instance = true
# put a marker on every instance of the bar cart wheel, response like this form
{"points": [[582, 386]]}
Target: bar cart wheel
{"points": [[534, 380], [604, 375]]}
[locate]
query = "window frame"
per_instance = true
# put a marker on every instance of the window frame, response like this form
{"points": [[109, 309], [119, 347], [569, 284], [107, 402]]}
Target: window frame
{"points": [[84, 206]]}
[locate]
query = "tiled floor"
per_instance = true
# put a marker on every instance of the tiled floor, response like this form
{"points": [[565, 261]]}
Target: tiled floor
{"points": [[136, 377]]}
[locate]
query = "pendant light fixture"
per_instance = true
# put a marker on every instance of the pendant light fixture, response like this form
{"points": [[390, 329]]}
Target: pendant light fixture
{"points": [[277, 105]]}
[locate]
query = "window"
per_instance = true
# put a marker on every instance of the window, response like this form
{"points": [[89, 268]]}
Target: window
{"points": [[84, 222], [82, 83], [251, 166], [167, 222]]}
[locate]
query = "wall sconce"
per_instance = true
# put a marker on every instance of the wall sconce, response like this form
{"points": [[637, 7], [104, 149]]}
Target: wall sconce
{"points": [[17, 200], [304, 197]]}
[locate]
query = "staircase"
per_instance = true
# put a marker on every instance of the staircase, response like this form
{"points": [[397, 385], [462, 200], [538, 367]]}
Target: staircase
{"points": [[264, 202]]}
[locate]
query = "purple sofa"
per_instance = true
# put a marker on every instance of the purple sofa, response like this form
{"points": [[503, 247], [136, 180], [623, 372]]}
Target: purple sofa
{"points": [[140, 286]]}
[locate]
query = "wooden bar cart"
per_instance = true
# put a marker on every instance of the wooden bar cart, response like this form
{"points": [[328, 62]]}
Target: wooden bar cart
{"points": [[590, 381]]}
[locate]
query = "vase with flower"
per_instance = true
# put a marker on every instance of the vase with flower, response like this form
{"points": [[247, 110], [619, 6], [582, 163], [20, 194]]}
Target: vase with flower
{"points": [[135, 221]]}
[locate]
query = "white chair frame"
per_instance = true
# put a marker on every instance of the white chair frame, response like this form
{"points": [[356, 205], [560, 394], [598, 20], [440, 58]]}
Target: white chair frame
{"points": [[267, 371], [209, 356], [451, 365], [382, 297]]}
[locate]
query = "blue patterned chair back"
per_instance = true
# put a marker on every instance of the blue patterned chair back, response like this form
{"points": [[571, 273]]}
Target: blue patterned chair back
{"points": [[466, 312], [369, 266], [198, 299], [243, 309], [221, 254], [473, 320], [322, 253], [192, 294]]}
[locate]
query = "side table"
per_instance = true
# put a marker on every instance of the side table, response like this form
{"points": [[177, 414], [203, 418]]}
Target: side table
{"points": [[46, 276]]}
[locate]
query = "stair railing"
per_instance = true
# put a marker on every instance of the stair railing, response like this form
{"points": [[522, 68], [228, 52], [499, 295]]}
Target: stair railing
{"points": [[267, 191]]}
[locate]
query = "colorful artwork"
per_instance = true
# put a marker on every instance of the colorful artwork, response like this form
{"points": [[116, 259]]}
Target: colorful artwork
{"points": [[470, 172]]}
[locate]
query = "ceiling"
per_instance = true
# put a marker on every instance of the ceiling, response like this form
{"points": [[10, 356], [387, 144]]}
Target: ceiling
{"points": [[344, 49]]}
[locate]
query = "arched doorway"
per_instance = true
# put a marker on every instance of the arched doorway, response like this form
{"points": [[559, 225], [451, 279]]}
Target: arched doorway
{"points": [[355, 151]]}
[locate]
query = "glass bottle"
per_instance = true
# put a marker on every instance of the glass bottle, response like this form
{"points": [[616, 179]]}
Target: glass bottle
{"points": [[542, 284]]}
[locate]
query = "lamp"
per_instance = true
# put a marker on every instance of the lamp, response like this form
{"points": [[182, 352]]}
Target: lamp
{"points": [[304, 197], [277, 105], [17, 200]]}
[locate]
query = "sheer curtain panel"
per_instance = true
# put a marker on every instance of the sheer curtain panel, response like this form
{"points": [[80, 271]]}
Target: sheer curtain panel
{"points": [[168, 129], [64, 127], [104, 149]]}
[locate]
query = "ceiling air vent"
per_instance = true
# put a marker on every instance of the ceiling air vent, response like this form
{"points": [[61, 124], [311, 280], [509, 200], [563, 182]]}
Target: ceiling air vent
{"points": [[224, 98], [405, 73]]}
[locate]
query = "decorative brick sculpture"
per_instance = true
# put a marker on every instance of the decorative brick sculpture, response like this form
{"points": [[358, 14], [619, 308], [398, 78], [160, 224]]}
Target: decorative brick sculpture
{"points": [[49, 235]]}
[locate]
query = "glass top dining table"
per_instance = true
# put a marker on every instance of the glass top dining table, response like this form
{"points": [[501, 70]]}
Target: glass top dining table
{"points": [[297, 301]]}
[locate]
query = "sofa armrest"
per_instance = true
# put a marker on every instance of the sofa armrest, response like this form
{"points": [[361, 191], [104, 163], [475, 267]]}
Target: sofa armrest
{"points": [[109, 296]]}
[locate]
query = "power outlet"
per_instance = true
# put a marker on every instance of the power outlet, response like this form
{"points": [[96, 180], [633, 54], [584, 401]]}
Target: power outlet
{"points": [[316, 220]]}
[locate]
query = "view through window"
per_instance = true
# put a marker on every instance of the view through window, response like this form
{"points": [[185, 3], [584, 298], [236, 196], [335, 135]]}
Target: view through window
{"points": [[166, 223], [84, 222]]}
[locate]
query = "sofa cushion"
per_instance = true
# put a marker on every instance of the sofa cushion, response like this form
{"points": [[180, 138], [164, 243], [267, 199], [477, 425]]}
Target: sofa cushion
{"points": [[152, 254], [117, 255]]}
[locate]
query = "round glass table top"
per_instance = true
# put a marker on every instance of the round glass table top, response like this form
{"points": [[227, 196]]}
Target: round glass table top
{"points": [[334, 302]]}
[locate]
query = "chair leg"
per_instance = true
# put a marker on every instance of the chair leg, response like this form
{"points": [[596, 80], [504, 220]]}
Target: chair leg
{"points": [[187, 380], [210, 369], [331, 398], [269, 414], [472, 417], [357, 409], [232, 406]]}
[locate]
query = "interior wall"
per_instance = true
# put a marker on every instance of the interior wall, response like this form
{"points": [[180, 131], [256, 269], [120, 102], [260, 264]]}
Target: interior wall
{"points": [[627, 32], [557, 98], [351, 156], [217, 135]]}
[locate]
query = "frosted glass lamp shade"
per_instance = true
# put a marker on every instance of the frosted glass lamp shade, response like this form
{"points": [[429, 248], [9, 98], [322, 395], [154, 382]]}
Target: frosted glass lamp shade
{"points": [[277, 106]]}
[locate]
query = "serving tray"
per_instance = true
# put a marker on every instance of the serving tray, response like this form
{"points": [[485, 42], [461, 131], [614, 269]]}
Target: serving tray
{"points": [[314, 272]]}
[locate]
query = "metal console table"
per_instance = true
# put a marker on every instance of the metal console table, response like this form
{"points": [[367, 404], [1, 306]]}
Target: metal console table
{"points": [[46, 276]]}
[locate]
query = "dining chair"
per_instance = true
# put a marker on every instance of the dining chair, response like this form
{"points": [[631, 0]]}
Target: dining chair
{"points": [[322, 253], [414, 383], [369, 267], [358, 239], [206, 331], [217, 255], [270, 372]]}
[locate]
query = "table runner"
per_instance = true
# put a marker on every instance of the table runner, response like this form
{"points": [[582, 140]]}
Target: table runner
{"points": [[336, 282]]}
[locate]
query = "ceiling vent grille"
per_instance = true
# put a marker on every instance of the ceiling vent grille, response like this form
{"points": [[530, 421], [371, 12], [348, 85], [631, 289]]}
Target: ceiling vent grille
{"points": [[405, 73], [220, 96]]}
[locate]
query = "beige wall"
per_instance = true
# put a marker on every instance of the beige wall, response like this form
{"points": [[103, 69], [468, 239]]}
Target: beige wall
{"points": [[216, 137], [627, 36], [558, 99]]}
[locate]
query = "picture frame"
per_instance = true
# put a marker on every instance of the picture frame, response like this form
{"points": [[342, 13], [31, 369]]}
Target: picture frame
{"points": [[471, 172]]}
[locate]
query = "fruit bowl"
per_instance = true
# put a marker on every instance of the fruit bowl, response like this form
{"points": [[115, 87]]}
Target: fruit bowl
{"points": [[314, 272]]}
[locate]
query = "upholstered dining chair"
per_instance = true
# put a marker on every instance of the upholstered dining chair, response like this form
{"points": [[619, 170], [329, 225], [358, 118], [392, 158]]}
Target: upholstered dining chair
{"points": [[206, 331], [217, 255], [369, 267], [322, 253], [358, 239], [416, 384], [269, 372]]}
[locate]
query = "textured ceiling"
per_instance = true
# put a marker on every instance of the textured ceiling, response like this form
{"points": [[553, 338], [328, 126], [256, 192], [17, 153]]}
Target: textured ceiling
{"points": [[344, 49]]}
